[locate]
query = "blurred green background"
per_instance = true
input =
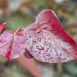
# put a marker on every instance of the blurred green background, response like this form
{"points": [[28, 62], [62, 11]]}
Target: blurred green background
{"points": [[22, 13]]}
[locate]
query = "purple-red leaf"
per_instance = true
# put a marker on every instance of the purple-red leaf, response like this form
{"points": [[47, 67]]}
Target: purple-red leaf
{"points": [[47, 41], [19, 41], [6, 39], [12, 45], [2, 26]]}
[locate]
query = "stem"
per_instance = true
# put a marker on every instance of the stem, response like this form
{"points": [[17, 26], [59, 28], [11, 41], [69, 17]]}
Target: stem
{"points": [[45, 68], [59, 68]]}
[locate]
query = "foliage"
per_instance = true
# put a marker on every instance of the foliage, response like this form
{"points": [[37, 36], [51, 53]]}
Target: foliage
{"points": [[63, 12]]}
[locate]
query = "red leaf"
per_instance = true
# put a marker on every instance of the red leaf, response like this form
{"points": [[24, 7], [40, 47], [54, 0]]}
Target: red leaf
{"points": [[19, 41], [47, 41], [12, 45], [6, 43], [2, 26], [27, 54]]}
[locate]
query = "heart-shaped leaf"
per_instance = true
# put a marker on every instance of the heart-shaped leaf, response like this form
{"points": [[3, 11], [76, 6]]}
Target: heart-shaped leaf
{"points": [[12, 45], [47, 41]]}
